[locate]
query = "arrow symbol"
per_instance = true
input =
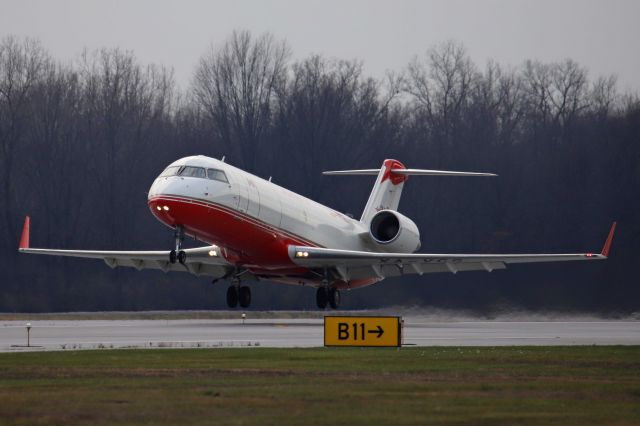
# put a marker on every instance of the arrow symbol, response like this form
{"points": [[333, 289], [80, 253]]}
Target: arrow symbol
{"points": [[380, 331]]}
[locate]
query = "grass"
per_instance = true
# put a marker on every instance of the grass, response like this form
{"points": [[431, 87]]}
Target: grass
{"points": [[506, 385]]}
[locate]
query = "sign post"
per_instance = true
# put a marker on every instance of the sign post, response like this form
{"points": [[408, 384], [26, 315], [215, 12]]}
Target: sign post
{"points": [[363, 331]]}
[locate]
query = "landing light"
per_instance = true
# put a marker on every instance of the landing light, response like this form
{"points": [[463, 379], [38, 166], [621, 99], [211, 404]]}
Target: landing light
{"points": [[166, 208], [302, 254], [159, 208], [213, 253]]}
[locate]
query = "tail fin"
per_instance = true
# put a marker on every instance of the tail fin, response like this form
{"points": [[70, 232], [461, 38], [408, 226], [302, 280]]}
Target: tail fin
{"points": [[389, 183]]}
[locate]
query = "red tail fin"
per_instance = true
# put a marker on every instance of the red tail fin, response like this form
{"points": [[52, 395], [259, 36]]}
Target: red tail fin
{"points": [[24, 238], [607, 244]]}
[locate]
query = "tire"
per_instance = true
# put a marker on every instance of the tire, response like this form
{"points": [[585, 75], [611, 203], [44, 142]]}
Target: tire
{"points": [[322, 297], [244, 296], [173, 256], [334, 298], [232, 296], [182, 257]]}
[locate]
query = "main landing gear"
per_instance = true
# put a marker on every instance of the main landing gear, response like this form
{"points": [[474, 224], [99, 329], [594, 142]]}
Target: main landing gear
{"points": [[178, 254], [237, 294], [326, 295]]}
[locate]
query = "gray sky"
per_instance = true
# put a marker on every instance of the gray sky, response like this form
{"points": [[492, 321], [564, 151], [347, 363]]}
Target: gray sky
{"points": [[602, 35]]}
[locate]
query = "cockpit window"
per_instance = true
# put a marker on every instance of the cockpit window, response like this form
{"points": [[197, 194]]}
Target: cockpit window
{"points": [[170, 171], [215, 174], [188, 171]]}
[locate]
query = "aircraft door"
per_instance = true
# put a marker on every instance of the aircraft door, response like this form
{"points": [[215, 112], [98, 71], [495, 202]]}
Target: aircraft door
{"points": [[270, 205], [243, 198], [253, 208], [239, 188]]}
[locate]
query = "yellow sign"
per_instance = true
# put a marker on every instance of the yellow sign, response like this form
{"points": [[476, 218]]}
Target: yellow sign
{"points": [[362, 331]]}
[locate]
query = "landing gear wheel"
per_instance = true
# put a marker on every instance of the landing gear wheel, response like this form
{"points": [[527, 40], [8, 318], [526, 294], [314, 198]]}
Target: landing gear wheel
{"points": [[334, 298], [173, 256], [322, 297], [182, 257], [244, 296], [232, 296]]}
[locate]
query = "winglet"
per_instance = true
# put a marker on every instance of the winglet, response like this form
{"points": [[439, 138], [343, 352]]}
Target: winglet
{"points": [[24, 238], [607, 244]]}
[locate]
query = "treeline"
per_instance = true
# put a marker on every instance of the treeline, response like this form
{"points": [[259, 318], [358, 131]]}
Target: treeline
{"points": [[81, 142]]}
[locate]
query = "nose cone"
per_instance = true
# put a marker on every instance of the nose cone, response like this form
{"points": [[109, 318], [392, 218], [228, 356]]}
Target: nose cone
{"points": [[172, 185], [154, 189], [158, 204]]}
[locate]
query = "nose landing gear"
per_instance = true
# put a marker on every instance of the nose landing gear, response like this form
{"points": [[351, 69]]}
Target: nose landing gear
{"points": [[178, 254]]}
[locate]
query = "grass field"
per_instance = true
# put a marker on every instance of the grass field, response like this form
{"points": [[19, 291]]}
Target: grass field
{"points": [[512, 385]]}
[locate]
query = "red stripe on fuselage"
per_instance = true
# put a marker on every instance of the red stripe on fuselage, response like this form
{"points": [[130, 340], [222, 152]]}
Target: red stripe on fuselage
{"points": [[246, 240]]}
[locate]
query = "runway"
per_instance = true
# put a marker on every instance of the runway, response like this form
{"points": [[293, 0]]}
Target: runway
{"points": [[189, 333]]}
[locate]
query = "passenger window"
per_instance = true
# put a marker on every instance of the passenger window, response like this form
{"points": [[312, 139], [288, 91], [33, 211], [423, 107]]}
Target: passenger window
{"points": [[219, 175], [170, 171], [188, 171]]}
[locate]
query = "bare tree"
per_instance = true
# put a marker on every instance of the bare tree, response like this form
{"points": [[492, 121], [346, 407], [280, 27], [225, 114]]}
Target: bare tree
{"points": [[440, 85], [236, 85], [21, 64], [54, 134], [568, 91], [603, 95], [330, 113], [122, 102], [538, 88]]}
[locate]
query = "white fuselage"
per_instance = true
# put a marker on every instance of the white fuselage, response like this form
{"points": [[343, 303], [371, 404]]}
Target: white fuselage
{"points": [[252, 219]]}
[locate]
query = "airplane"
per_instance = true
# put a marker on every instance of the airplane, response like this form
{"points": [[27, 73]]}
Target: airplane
{"points": [[257, 230]]}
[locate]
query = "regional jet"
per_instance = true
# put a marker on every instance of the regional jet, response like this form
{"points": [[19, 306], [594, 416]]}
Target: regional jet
{"points": [[257, 230]]}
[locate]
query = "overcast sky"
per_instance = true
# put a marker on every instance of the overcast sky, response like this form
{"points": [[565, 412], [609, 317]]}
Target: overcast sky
{"points": [[385, 35]]}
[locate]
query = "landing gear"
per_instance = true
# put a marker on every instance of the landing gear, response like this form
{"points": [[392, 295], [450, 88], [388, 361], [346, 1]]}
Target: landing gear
{"points": [[232, 296], [238, 294], [330, 296], [178, 254], [244, 296], [327, 295], [334, 298], [322, 297]]}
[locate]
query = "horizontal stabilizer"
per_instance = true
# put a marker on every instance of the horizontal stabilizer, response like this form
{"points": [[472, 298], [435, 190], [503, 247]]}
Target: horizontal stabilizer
{"points": [[371, 172], [422, 172], [406, 172]]}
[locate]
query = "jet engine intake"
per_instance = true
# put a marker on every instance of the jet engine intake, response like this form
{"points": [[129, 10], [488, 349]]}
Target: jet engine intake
{"points": [[394, 232]]}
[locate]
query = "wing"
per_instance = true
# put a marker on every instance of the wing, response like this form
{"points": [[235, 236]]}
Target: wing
{"points": [[358, 264], [200, 261]]}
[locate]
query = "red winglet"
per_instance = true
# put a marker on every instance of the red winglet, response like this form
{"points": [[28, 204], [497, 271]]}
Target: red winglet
{"points": [[607, 244], [24, 238]]}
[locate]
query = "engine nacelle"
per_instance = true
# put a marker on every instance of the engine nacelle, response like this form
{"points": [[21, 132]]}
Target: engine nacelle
{"points": [[394, 232]]}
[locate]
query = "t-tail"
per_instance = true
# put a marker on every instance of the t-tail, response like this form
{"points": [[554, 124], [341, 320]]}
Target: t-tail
{"points": [[389, 183]]}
